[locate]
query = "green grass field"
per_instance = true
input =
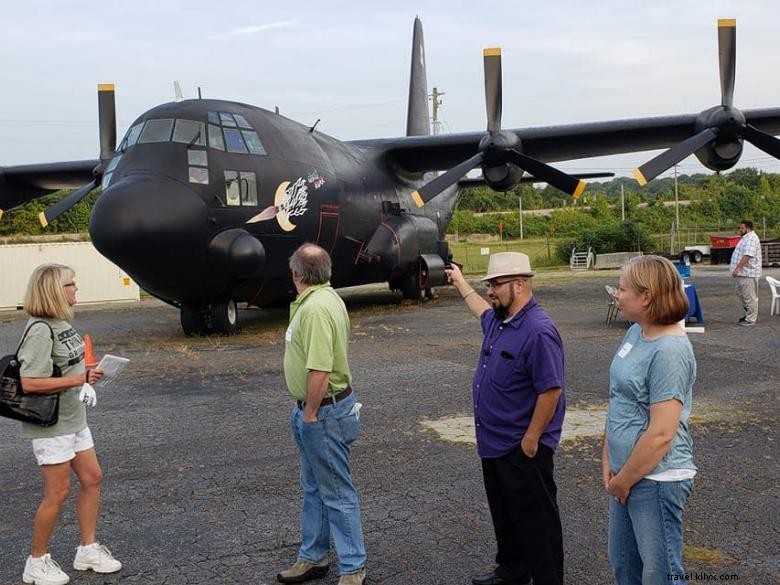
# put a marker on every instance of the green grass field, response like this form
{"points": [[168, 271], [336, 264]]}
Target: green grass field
{"points": [[470, 254]]}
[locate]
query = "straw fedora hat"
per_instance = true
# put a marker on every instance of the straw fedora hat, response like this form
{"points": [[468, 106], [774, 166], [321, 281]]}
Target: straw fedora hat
{"points": [[508, 264]]}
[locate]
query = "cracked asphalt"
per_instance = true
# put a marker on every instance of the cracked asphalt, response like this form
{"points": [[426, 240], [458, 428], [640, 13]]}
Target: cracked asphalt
{"points": [[201, 469]]}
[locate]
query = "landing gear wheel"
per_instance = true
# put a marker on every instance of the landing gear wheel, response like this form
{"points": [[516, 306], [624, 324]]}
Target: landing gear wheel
{"points": [[410, 289], [193, 321], [224, 317]]}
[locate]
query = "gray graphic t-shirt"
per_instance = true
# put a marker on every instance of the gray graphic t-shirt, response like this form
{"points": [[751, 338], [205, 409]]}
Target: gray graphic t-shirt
{"points": [[37, 356]]}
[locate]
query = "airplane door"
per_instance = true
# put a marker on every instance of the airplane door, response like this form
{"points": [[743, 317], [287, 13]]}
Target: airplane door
{"points": [[328, 230]]}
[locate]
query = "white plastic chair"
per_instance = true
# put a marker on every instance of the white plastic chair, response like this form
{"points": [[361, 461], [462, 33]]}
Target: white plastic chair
{"points": [[774, 284]]}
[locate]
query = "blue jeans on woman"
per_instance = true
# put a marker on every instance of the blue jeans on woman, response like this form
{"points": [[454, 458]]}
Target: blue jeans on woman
{"points": [[646, 534], [330, 502]]}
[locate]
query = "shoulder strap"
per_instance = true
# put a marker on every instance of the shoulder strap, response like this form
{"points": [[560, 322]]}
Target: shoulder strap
{"points": [[24, 336]]}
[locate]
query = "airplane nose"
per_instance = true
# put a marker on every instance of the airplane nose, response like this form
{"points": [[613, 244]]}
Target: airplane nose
{"points": [[153, 228]]}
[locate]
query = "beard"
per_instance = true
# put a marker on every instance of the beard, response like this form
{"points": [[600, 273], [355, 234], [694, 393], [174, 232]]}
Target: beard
{"points": [[499, 309]]}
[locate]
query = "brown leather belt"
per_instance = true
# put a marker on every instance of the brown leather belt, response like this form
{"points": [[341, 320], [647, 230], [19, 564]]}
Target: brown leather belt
{"points": [[329, 400]]}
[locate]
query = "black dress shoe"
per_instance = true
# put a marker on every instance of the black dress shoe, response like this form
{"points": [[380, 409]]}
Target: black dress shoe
{"points": [[493, 579]]}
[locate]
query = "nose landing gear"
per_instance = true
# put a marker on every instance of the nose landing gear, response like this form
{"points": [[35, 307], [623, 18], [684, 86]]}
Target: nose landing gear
{"points": [[219, 318]]}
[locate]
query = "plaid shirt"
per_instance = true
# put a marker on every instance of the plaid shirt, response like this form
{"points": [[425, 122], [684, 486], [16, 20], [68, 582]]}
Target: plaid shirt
{"points": [[748, 246]]}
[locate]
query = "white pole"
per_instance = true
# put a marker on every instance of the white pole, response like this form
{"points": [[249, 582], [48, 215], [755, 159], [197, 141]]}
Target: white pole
{"points": [[520, 203]]}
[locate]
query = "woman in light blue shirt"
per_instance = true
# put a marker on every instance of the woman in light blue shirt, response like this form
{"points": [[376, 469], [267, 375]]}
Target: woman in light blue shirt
{"points": [[647, 460]]}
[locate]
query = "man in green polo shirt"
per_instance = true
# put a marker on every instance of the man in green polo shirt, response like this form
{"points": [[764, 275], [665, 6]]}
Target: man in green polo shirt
{"points": [[324, 422]]}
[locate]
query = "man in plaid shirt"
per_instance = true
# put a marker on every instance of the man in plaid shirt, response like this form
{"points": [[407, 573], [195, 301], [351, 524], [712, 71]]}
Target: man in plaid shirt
{"points": [[746, 268]]}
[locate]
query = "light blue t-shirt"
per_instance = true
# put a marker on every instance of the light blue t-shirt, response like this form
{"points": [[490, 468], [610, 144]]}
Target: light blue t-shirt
{"points": [[642, 373]]}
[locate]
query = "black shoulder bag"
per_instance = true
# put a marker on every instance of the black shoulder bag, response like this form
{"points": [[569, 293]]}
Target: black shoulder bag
{"points": [[15, 403]]}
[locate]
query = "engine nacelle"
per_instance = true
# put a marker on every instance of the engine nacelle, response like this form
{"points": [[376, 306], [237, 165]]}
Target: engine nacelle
{"points": [[724, 152], [502, 177]]}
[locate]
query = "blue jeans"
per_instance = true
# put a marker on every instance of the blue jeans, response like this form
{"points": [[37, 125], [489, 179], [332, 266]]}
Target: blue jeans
{"points": [[646, 534], [330, 502]]}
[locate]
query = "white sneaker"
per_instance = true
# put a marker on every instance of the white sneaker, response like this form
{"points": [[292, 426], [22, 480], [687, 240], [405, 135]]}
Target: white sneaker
{"points": [[43, 571], [97, 557]]}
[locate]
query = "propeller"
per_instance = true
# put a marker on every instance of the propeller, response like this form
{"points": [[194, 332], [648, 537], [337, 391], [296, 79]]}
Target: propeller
{"points": [[497, 149], [724, 127], [107, 123]]}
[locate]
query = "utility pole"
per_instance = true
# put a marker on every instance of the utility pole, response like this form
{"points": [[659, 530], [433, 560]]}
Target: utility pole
{"points": [[622, 203], [520, 207], [676, 201], [434, 97]]}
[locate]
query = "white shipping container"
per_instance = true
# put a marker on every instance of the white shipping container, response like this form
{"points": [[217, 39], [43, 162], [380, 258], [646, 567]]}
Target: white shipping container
{"points": [[99, 280]]}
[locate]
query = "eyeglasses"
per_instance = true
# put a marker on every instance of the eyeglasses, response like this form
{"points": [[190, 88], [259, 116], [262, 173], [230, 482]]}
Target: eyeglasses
{"points": [[496, 284], [67, 284]]}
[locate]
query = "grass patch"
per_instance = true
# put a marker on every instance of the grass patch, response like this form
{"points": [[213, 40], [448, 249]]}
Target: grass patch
{"points": [[706, 556]]}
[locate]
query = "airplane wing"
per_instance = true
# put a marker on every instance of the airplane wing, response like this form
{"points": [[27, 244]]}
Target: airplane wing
{"points": [[557, 143], [23, 183]]}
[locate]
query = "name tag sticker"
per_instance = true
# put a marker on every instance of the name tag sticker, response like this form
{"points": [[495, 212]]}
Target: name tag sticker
{"points": [[625, 349], [288, 334]]}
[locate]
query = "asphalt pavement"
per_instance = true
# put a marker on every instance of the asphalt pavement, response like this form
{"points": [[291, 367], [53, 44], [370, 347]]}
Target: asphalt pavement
{"points": [[201, 472]]}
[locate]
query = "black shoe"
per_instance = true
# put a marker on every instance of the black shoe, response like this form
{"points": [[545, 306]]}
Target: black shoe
{"points": [[493, 579], [741, 320]]}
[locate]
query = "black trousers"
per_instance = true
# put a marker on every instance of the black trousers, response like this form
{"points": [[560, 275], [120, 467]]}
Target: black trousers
{"points": [[522, 496]]}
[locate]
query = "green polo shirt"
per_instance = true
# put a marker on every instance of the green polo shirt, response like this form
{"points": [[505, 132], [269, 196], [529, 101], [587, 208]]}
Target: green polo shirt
{"points": [[317, 339]]}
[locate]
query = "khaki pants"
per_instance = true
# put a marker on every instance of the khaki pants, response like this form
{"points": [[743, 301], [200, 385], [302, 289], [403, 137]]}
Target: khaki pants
{"points": [[747, 293]]}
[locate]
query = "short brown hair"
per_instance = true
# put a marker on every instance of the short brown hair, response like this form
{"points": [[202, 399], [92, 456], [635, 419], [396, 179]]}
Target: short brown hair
{"points": [[45, 296], [659, 278]]}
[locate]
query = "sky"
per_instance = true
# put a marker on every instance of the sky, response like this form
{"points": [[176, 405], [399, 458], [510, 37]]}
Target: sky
{"points": [[347, 63]]}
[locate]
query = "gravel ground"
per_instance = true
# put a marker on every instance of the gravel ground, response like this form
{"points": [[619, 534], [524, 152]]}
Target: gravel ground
{"points": [[201, 469]]}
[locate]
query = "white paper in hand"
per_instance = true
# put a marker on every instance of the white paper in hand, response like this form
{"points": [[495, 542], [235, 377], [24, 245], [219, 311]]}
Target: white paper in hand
{"points": [[110, 365]]}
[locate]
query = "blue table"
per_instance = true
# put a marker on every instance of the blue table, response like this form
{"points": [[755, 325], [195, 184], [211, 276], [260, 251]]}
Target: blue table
{"points": [[694, 307]]}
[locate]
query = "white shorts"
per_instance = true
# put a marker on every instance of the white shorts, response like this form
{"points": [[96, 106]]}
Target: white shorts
{"points": [[63, 448]]}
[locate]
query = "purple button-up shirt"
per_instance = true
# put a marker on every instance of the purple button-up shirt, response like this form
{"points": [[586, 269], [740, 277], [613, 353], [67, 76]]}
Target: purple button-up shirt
{"points": [[519, 360]]}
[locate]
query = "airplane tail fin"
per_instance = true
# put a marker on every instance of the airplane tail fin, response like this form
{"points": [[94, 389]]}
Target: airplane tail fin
{"points": [[417, 116]]}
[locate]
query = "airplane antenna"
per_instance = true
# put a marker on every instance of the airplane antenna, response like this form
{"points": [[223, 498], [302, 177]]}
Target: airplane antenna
{"points": [[276, 110], [315, 125], [199, 96]]}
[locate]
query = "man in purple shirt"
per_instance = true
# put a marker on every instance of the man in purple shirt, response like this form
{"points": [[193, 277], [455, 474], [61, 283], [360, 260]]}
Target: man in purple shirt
{"points": [[519, 404]]}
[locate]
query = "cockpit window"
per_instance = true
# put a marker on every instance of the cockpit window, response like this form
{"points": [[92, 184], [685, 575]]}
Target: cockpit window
{"points": [[240, 188], [215, 137], [227, 119], [112, 165], [213, 118], [132, 136], [234, 141], [156, 131], [242, 123], [232, 194], [253, 142], [190, 132]]}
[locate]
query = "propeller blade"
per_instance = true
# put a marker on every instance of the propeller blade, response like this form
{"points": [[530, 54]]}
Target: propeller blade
{"points": [[440, 183], [550, 175], [667, 159], [769, 144], [107, 119], [492, 61], [64, 204], [727, 54]]}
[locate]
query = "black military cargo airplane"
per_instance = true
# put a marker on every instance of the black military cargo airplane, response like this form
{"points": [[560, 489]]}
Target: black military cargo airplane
{"points": [[204, 200]]}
